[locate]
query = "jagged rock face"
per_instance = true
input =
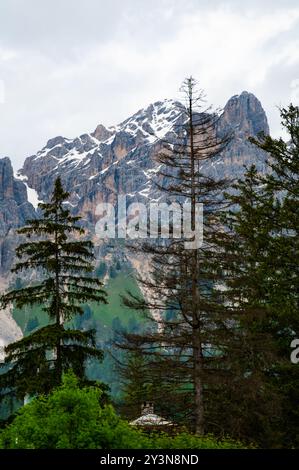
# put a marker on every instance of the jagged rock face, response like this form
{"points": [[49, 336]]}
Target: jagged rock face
{"points": [[97, 167], [101, 133], [14, 211], [9, 187], [245, 114]]}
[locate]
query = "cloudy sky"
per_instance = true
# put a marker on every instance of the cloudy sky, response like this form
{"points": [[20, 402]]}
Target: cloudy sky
{"points": [[67, 65]]}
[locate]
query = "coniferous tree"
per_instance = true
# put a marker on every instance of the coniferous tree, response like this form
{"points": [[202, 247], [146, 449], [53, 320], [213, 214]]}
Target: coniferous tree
{"points": [[283, 183], [282, 278], [262, 285], [147, 378], [64, 263], [184, 347], [135, 378], [253, 402]]}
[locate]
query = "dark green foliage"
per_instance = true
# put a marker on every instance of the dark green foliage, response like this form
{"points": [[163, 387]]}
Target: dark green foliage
{"points": [[75, 346], [137, 384], [279, 266], [253, 403], [64, 265], [142, 380], [66, 262], [262, 287]]}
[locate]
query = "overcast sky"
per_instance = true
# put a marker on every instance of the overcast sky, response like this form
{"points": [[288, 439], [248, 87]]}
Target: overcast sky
{"points": [[67, 65]]}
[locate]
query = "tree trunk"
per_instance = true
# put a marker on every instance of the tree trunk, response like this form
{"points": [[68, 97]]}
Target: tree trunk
{"points": [[58, 366], [198, 382], [196, 326]]}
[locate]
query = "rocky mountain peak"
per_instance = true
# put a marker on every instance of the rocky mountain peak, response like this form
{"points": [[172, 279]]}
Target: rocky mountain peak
{"points": [[154, 121], [245, 114], [89, 156], [121, 159], [10, 188], [14, 211], [55, 141], [101, 133]]}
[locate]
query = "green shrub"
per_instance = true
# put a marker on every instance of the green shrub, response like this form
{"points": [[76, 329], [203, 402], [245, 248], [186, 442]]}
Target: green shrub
{"points": [[74, 417], [71, 418], [186, 440]]}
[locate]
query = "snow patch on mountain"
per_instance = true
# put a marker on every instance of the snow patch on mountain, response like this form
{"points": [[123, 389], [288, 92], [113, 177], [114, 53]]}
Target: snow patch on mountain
{"points": [[9, 331], [94, 154], [153, 122], [32, 194]]}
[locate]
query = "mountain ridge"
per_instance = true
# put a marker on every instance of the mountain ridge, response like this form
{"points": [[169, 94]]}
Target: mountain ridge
{"points": [[120, 159], [86, 161]]}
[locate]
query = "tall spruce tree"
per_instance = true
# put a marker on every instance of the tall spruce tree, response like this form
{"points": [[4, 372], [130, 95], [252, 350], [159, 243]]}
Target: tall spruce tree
{"points": [[283, 183], [184, 348], [64, 263], [282, 279], [262, 285], [253, 402]]}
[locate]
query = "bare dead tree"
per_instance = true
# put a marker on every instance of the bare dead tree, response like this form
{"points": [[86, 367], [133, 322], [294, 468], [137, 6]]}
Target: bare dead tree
{"points": [[188, 341]]}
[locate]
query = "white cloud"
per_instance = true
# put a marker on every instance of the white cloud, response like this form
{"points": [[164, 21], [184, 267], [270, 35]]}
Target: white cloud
{"points": [[66, 69], [295, 90], [2, 92]]}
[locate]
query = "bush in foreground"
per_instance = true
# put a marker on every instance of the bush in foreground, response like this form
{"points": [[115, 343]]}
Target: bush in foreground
{"points": [[75, 418]]}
